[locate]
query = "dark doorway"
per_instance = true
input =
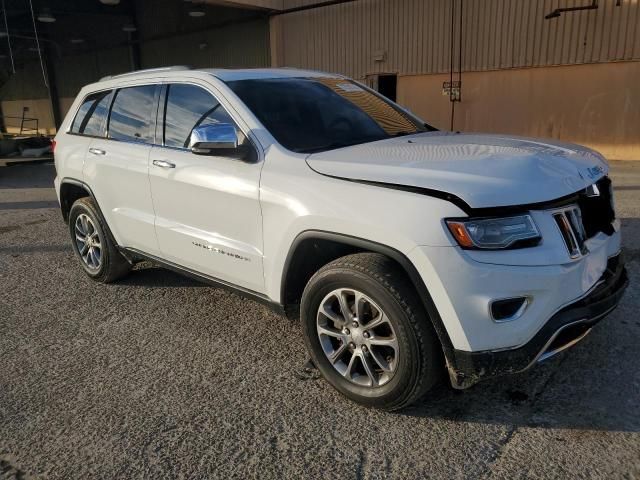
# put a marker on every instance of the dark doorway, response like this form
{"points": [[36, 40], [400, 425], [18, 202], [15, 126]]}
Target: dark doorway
{"points": [[387, 86]]}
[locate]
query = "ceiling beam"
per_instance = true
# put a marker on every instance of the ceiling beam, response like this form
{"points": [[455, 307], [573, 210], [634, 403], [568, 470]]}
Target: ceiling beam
{"points": [[251, 4]]}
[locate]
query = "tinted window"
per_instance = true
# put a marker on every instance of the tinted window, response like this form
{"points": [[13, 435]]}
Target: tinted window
{"points": [[132, 114], [91, 114], [188, 107], [315, 114]]}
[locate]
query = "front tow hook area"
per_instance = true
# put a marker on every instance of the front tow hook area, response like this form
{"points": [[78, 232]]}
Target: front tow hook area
{"points": [[563, 330]]}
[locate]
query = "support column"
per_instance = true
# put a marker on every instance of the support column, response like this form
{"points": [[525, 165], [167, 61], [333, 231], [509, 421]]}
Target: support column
{"points": [[50, 74], [276, 41], [134, 50], [134, 39]]}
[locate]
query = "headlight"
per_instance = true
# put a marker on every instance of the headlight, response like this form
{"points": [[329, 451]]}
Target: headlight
{"points": [[495, 233]]}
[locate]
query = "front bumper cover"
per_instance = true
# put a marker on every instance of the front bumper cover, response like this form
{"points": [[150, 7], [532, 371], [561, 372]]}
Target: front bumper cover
{"points": [[564, 329]]}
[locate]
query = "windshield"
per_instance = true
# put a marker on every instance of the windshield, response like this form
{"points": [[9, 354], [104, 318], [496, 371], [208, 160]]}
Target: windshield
{"points": [[316, 114]]}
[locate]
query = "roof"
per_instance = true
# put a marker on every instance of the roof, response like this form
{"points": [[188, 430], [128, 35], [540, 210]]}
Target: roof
{"points": [[227, 75]]}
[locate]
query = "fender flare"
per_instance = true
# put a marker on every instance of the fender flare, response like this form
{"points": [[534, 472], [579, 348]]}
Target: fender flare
{"points": [[394, 254], [87, 188]]}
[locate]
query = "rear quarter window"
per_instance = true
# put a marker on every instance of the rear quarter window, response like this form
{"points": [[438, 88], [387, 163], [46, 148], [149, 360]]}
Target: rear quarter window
{"points": [[90, 119]]}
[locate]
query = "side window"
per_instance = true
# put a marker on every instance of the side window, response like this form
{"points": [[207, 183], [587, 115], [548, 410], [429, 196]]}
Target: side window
{"points": [[188, 107], [133, 114], [91, 114]]}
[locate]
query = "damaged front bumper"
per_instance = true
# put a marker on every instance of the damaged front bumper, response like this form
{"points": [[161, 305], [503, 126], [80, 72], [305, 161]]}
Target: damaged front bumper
{"points": [[563, 330]]}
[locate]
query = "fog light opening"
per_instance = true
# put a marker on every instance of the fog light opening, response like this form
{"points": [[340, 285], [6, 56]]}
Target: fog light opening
{"points": [[508, 309]]}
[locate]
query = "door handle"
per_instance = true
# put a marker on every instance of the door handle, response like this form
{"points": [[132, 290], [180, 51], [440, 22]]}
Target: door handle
{"points": [[97, 151], [164, 164]]}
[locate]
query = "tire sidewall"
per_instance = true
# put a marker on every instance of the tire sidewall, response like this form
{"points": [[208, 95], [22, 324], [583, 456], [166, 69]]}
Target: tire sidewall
{"points": [[85, 207], [321, 285]]}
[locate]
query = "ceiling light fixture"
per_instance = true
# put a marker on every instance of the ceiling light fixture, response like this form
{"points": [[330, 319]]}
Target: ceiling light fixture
{"points": [[77, 40], [196, 13], [45, 16], [110, 2]]}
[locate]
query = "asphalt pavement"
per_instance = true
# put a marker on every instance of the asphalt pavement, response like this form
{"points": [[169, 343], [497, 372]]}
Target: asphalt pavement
{"points": [[158, 376]]}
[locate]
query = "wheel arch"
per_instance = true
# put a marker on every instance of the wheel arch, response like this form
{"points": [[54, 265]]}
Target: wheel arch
{"points": [[71, 190], [309, 252]]}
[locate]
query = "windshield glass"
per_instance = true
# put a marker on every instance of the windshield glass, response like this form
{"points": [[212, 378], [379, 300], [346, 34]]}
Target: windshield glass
{"points": [[316, 114]]}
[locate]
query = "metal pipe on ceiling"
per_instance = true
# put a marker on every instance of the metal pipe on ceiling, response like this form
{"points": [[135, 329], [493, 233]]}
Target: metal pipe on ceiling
{"points": [[327, 3]]}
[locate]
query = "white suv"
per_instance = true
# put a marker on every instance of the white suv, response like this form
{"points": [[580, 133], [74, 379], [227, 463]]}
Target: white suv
{"points": [[406, 252]]}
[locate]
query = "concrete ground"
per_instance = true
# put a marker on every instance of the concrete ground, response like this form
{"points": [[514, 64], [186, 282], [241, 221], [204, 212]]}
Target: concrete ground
{"points": [[158, 376]]}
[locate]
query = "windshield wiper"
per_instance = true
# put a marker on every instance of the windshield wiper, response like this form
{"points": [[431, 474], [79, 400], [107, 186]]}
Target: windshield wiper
{"points": [[334, 145], [328, 146], [402, 133]]}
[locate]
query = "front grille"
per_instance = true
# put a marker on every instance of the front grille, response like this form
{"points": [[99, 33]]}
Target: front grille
{"points": [[593, 213], [569, 221]]}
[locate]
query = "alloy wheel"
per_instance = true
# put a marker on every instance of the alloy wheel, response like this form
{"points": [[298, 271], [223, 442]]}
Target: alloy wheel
{"points": [[357, 338], [88, 241]]}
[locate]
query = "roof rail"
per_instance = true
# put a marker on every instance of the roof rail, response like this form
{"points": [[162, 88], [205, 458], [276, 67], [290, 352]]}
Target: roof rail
{"points": [[173, 68]]}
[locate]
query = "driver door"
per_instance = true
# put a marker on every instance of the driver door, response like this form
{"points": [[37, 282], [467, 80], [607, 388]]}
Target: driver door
{"points": [[207, 209]]}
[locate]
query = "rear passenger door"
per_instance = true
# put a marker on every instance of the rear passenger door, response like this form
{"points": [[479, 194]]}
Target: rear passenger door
{"points": [[207, 208], [116, 167]]}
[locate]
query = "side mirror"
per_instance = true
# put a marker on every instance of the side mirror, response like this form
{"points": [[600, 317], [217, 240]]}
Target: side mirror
{"points": [[213, 139]]}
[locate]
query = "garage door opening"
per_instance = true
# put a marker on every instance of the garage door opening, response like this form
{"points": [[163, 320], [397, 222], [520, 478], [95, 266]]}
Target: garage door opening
{"points": [[387, 85]]}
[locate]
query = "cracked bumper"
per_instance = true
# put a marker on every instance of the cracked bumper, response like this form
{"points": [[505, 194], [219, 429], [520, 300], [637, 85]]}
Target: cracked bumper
{"points": [[563, 330]]}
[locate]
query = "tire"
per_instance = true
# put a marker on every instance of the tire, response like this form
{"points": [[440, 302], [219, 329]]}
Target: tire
{"points": [[399, 360], [106, 264]]}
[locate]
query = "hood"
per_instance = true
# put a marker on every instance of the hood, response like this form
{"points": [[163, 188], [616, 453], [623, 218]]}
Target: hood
{"points": [[483, 170]]}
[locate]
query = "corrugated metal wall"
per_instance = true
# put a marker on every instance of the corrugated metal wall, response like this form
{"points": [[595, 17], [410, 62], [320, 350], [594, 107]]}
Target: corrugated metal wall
{"points": [[287, 4], [224, 37], [74, 72], [27, 83], [244, 44], [414, 35], [166, 18], [241, 40], [71, 72]]}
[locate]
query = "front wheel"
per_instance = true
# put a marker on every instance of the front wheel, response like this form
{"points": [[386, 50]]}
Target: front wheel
{"points": [[367, 332]]}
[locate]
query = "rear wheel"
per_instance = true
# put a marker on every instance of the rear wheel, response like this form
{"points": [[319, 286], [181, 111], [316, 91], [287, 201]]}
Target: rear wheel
{"points": [[98, 254], [367, 332]]}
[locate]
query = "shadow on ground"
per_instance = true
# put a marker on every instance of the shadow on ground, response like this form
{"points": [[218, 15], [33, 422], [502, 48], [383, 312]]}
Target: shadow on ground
{"points": [[30, 205], [592, 387], [148, 275], [35, 175]]}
